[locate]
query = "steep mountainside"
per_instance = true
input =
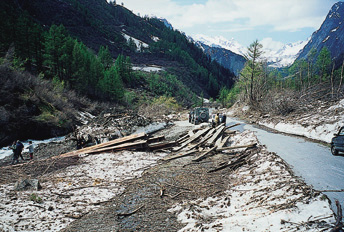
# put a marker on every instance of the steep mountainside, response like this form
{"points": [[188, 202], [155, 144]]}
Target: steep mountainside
{"points": [[147, 41], [330, 34], [227, 58]]}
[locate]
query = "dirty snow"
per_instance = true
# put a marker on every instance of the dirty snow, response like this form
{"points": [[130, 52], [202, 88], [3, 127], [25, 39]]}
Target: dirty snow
{"points": [[265, 197], [320, 124], [72, 192]]}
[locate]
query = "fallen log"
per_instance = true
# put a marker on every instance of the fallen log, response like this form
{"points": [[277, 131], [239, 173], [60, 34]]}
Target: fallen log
{"points": [[206, 137], [193, 138], [223, 142], [106, 144], [130, 213], [124, 146], [219, 130], [179, 155], [218, 141], [156, 139], [228, 127], [204, 155], [339, 223], [237, 147], [162, 145], [239, 161]]}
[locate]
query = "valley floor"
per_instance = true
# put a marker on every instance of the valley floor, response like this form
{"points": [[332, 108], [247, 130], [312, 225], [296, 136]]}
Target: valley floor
{"points": [[138, 191]]}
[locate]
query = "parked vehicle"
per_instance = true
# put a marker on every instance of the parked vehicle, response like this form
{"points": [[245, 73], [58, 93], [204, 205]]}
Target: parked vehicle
{"points": [[199, 115], [337, 143]]}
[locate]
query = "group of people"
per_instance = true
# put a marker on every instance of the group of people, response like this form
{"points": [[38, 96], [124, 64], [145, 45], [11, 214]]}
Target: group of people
{"points": [[219, 119], [17, 148]]}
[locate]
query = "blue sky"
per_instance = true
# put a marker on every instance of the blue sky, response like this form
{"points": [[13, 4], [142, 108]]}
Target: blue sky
{"points": [[244, 20]]}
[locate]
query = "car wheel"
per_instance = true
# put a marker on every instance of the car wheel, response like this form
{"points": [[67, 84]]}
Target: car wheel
{"points": [[334, 151]]}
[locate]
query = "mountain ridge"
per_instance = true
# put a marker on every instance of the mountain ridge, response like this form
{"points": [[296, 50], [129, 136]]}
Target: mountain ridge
{"points": [[330, 35]]}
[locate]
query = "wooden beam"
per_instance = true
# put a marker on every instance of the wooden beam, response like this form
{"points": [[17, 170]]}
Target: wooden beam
{"points": [[156, 139], [205, 138], [155, 146], [223, 142], [218, 141], [193, 138], [124, 146], [204, 155], [219, 130], [106, 144], [237, 124], [179, 155], [237, 147]]}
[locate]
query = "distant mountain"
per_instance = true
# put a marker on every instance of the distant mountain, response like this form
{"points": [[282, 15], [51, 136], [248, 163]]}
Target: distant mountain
{"points": [[330, 34], [281, 57], [285, 56], [221, 42]]}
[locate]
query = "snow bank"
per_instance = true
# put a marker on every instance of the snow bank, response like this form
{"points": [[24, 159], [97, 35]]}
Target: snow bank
{"points": [[263, 196]]}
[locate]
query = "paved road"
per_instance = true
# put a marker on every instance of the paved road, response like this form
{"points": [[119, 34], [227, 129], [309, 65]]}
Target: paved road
{"points": [[312, 161]]}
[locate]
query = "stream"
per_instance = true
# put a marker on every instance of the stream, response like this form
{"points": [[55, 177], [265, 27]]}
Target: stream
{"points": [[309, 160]]}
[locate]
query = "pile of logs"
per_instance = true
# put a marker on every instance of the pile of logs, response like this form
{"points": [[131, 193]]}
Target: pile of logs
{"points": [[206, 141]]}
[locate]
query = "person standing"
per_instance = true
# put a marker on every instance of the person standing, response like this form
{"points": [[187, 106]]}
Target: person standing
{"points": [[217, 119], [224, 118], [31, 149], [15, 157], [19, 149]]}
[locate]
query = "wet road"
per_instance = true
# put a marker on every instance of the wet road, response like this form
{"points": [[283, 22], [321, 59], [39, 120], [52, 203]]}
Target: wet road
{"points": [[312, 161]]}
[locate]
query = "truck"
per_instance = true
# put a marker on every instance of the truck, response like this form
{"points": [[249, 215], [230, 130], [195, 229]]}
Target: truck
{"points": [[199, 115]]}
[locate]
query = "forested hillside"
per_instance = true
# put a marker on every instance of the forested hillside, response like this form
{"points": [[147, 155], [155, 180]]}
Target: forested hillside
{"points": [[56, 36]]}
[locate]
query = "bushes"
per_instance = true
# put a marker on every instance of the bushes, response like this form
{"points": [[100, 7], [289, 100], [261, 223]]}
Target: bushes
{"points": [[159, 106], [32, 107]]}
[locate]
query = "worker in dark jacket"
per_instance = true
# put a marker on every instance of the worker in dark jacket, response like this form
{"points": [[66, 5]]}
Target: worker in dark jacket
{"points": [[224, 118], [19, 149], [14, 157]]}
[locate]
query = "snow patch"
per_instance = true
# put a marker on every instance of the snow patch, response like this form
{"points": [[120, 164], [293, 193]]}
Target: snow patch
{"points": [[139, 44], [326, 39]]}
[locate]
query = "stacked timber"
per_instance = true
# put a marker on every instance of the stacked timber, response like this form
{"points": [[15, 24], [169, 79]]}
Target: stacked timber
{"points": [[132, 142], [206, 142]]}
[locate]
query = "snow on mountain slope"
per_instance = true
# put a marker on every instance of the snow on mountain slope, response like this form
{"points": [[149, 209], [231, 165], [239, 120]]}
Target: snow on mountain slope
{"points": [[282, 55], [221, 42], [276, 53]]}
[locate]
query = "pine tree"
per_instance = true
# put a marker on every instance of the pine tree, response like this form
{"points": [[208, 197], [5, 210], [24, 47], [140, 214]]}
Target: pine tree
{"points": [[323, 63], [105, 57]]}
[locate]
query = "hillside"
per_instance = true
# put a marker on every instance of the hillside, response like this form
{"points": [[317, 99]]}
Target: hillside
{"points": [[227, 58], [330, 35], [147, 41]]}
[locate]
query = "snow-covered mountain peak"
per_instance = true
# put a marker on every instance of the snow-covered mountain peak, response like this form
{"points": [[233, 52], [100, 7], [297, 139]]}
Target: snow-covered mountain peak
{"points": [[276, 53], [221, 42]]}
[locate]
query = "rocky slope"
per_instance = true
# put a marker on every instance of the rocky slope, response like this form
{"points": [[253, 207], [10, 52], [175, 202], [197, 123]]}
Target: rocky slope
{"points": [[330, 35]]}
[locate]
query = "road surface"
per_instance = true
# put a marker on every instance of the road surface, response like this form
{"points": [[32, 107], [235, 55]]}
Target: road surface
{"points": [[312, 161]]}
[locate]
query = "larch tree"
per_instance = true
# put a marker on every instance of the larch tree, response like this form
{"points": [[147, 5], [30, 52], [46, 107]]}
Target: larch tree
{"points": [[252, 67]]}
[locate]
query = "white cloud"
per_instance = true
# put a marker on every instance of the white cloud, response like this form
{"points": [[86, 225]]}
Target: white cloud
{"points": [[270, 44], [282, 15]]}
